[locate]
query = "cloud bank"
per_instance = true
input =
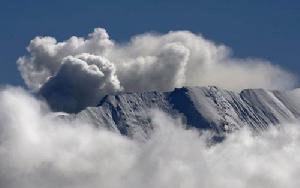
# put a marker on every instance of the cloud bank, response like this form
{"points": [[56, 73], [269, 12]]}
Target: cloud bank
{"points": [[149, 61], [38, 150]]}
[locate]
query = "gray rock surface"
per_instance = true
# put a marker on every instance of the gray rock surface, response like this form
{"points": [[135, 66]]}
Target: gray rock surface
{"points": [[200, 107]]}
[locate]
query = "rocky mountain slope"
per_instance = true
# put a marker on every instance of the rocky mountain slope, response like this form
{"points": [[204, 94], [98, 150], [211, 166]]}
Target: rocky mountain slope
{"points": [[200, 107]]}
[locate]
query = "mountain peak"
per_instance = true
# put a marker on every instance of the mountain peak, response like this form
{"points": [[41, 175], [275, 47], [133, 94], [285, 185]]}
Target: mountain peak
{"points": [[208, 107]]}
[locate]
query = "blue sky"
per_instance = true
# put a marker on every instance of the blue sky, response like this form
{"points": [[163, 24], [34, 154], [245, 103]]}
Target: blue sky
{"points": [[257, 28]]}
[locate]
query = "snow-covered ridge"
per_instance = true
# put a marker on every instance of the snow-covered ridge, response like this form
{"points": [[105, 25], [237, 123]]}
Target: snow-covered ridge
{"points": [[201, 107]]}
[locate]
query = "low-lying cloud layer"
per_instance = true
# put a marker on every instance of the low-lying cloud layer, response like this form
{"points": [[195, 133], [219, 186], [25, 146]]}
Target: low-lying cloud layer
{"points": [[37, 150], [68, 70]]}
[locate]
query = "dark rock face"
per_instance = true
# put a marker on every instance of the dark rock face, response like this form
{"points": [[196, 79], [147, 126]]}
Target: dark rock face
{"points": [[200, 107]]}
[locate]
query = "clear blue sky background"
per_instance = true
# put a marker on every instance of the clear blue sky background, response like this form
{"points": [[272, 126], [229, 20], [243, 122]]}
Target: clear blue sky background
{"points": [[252, 28]]}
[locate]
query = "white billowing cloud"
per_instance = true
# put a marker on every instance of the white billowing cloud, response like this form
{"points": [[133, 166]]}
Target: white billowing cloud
{"points": [[81, 81], [162, 71], [207, 64], [39, 151], [154, 62], [46, 55]]}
